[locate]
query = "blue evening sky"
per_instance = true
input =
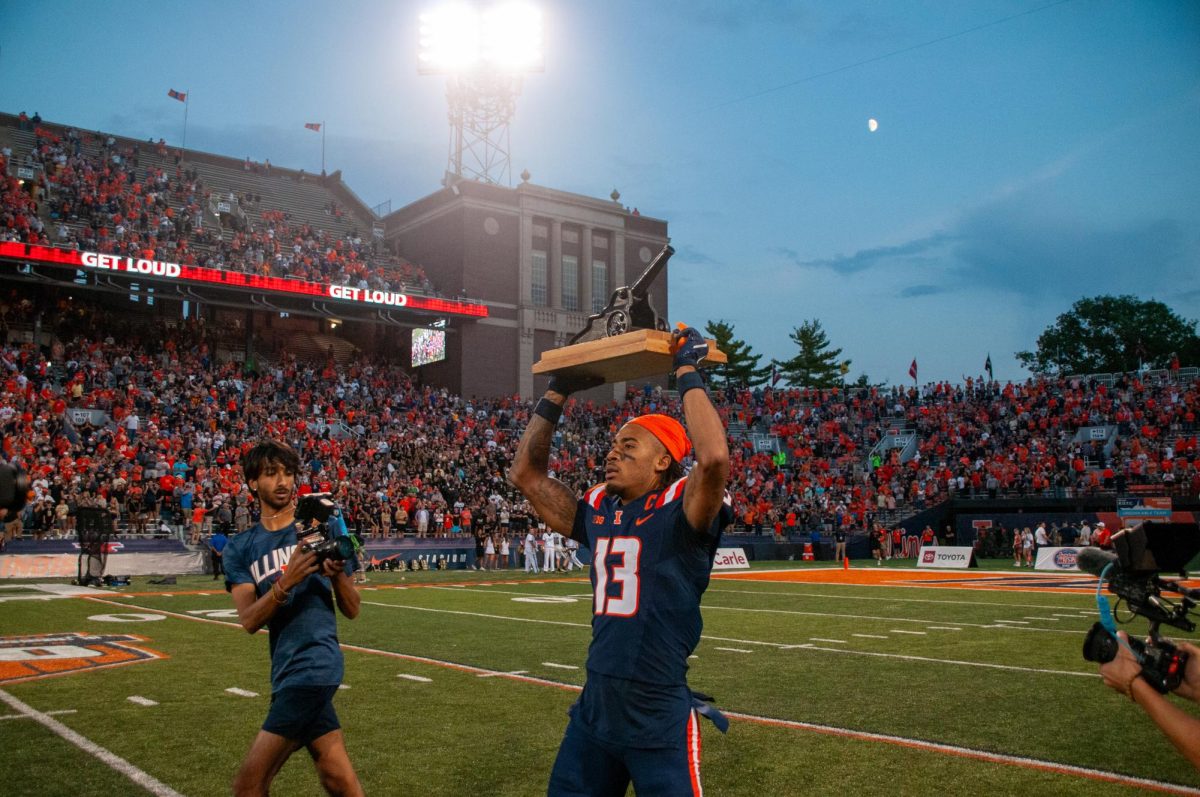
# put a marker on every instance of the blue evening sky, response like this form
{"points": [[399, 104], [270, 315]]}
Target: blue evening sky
{"points": [[1029, 152]]}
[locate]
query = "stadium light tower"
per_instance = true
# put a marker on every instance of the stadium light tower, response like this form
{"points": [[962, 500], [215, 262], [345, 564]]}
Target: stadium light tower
{"points": [[484, 52]]}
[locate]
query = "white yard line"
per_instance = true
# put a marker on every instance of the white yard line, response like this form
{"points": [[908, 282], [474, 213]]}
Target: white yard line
{"points": [[943, 628], [870, 636], [559, 666], [900, 741], [910, 633], [142, 701], [735, 650], [714, 588], [141, 778], [233, 690], [834, 641], [777, 645], [418, 678], [797, 613]]}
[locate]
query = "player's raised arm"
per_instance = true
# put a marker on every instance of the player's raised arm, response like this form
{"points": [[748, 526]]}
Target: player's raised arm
{"points": [[705, 488], [530, 472]]}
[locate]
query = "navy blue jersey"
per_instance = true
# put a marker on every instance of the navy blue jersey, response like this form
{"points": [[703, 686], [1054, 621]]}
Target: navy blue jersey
{"points": [[303, 633], [649, 569]]}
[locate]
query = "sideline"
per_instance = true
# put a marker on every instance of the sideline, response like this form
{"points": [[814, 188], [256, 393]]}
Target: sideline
{"points": [[848, 733], [141, 778]]}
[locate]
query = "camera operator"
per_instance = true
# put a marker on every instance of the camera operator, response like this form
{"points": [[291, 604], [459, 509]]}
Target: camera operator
{"points": [[295, 601], [1123, 674]]}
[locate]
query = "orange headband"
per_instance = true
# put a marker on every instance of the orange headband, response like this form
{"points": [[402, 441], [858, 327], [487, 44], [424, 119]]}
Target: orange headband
{"points": [[669, 432]]}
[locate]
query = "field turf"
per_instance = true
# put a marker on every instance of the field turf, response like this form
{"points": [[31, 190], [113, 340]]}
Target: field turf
{"points": [[867, 681]]}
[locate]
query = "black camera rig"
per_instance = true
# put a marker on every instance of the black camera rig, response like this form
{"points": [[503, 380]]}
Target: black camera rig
{"points": [[321, 528], [1132, 571]]}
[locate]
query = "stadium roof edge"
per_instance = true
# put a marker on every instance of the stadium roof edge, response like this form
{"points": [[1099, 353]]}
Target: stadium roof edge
{"points": [[503, 194]]}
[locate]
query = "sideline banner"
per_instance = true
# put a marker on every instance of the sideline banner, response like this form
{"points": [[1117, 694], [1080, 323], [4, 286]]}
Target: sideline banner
{"points": [[1056, 559], [731, 559], [66, 565], [944, 556]]}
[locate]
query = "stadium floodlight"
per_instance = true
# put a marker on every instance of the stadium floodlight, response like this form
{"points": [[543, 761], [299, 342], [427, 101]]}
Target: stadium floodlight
{"points": [[483, 52], [458, 38]]}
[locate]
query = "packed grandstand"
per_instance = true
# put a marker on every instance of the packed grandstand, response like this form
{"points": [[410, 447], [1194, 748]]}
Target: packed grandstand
{"points": [[173, 412]]}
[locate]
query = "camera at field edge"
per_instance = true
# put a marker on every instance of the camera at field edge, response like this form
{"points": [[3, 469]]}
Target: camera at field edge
{"points": [[1163, 664], [314, 511]]}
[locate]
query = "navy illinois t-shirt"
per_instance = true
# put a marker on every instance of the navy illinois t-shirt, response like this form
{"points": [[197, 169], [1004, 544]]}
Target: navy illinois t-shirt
{"points": [[303, 633]]}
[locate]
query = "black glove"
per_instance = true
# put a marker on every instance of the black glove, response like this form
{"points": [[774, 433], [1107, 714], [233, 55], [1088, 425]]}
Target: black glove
{"points": [[690, 348], [573, 383]]}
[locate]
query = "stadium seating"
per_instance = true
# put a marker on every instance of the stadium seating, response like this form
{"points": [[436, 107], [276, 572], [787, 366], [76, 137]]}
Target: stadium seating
{"points": [[115, 195], [176, 413]]}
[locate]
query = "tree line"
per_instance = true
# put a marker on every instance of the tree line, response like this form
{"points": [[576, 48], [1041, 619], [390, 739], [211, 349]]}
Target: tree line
{"points": [[1102, 334]]}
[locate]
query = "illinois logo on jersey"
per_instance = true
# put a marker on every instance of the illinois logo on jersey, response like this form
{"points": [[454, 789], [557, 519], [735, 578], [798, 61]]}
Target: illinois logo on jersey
{"points": [[24, 658]]}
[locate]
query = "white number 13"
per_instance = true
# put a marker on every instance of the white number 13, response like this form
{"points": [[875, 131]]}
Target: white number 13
{"points": [[625, 574]]}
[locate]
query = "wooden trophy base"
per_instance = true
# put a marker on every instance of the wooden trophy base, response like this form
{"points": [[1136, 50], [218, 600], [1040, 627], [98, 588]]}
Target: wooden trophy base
{"points": [[633, 355]]}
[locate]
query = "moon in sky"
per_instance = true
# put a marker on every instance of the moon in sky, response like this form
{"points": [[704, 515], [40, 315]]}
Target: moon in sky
{"points": [[872, 125]]}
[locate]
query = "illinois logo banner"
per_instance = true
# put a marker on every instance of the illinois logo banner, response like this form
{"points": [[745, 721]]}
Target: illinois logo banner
{"points": [[24, 658]]}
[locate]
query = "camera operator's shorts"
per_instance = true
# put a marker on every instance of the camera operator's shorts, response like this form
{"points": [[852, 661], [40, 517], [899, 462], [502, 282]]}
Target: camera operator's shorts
{"points": [[302, 713]]}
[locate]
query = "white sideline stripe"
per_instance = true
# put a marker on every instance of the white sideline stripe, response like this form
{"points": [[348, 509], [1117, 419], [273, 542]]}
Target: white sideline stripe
{"points": [[943, 628], [504, 592], [778, 645], [967, 752], [985, 665], [418, 678], [1050, 619], [715, 588], [494, 674], [819, 639], [1014, 622], [142, 701], [870, 636], [902, 631], [735, 650], [707, 607], [48, 714], [233, 690], [143, 779], [1027, 763], [559, 666]]}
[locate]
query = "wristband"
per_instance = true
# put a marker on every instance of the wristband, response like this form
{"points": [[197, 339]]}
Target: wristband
{"points": [[275, 597], [689, 381], [548, 410], [1129, 686]]}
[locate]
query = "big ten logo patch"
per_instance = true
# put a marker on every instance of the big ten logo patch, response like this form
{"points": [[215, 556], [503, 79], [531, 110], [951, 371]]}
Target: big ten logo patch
{"points": [[27, 657]]}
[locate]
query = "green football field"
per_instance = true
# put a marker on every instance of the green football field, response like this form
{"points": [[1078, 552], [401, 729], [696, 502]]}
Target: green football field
{"points": [[458, 683]]}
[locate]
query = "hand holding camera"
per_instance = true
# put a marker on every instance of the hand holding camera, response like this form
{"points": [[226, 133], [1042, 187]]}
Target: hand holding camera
{"points": [[323, 532]]}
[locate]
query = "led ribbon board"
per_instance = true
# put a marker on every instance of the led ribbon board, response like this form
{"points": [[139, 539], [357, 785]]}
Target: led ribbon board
{"points": [[174, 272]]}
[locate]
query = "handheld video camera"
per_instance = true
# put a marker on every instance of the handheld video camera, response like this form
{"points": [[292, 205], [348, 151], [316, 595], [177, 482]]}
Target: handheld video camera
{"points": [[14, 488], [1132, 572], [322, 529]]}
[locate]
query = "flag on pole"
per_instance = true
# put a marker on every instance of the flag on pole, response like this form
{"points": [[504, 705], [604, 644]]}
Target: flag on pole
{"points": [[775, 375], [177, 95], [987, 365], [313, 126], [912, 369]]}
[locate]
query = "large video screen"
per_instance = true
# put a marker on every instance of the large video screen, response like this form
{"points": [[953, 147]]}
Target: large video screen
{"points": [[428, 346]]}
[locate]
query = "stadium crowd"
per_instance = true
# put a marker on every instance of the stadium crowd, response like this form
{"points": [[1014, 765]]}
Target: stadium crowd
{"points": [[99, 196], [399, 455]]}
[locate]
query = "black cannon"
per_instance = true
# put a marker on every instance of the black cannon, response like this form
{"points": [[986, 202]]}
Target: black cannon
{"points": [[629, 308]]}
